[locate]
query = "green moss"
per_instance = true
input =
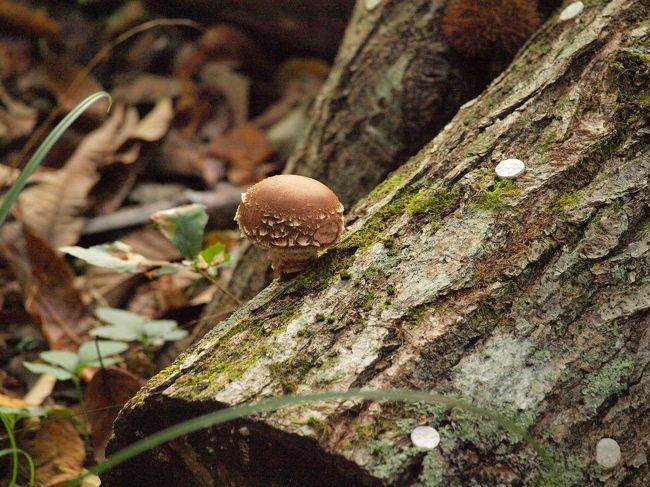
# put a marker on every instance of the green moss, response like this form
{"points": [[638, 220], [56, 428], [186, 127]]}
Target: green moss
{"points": [[388, 459], [605, 382], [374, 229], [321, 428], [432, 469], [345, 275], [367, 301], [495, 197], [566, 471], [480, 146], [632, 70], [386, 187], [432, 202], [290, 372]]}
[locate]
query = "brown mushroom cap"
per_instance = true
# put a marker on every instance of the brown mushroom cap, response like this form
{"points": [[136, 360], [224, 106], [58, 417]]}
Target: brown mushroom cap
{"points": [[290, 212]]}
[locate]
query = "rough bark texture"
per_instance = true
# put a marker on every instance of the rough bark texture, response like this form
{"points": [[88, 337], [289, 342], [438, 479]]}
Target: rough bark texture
{"points": [[528, 298], [394, 85]]}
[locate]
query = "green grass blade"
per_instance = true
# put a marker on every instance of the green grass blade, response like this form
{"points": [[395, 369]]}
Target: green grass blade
{"points": [[229, 414], [44, 148], [14, 452]]}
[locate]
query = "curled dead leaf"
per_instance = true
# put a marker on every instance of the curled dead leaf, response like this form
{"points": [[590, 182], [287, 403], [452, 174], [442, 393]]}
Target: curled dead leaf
{"points": [[48, 287], [57, 450], [107, 392]]}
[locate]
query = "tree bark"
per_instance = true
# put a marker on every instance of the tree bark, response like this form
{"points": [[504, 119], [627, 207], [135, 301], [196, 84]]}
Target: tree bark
{"points": [[529, 298], [394, 85]]}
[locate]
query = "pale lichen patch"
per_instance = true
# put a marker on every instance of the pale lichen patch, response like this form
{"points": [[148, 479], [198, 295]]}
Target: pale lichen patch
{"points": [[506, 372]]}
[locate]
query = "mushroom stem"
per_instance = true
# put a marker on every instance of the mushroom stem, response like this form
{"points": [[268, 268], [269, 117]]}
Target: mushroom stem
{"points": [[290, 261]]}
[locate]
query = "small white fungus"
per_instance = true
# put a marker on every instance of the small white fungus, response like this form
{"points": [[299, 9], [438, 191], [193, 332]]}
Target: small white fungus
{"points": [[510, 168], [571, 11], [608, 453], [371, 4], [425, 437]]}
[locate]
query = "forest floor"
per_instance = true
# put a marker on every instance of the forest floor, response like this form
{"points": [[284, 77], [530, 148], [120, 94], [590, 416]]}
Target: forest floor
{"points": [[199, 113]]}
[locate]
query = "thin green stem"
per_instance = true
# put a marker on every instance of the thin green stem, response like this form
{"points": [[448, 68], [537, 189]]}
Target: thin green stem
{"points": [[225, 415], [9, 423], [28, 457], [44, 148], [82, 404]]}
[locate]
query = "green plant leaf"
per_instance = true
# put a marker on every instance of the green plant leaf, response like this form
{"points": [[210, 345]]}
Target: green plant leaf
{"points": [[88, 350], [101, 256], [120, 317], [174, 335], [124, 333], [61, 358], [57, 372], [106, 361], [24, 412], [184, 226], [213, 256], [158, 328]]}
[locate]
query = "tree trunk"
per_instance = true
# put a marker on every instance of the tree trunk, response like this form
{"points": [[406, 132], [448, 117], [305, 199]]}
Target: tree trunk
{"points": [[529, 298], [395, 84]]}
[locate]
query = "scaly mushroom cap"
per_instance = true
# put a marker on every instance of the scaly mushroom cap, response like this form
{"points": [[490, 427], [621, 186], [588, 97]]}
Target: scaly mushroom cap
{"points": [[290, 212]]}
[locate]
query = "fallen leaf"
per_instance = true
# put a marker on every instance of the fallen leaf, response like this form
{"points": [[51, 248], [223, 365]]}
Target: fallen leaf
{"points": [[181, 157], [156, 123], [245, 146], [15, 57], [226, 44], [48, 288], [55, 74], [147, 88], [54, 207], [16, 119], [233, 86], [57, 450], [12, 402], [35, 22], [109, 389], [41, 390]]}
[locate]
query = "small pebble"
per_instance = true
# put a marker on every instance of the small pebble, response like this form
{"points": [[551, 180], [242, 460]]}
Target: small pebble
{"points": [[371, 4], [608, 453], [573, 10], [510, 168], [425, 437]]}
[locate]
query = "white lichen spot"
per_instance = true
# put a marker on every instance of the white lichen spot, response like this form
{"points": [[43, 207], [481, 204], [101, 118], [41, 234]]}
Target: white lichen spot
{"points": [[506, 371], [608, 453], [572, 11], [425, 437], [510, 168], [372, 4]]}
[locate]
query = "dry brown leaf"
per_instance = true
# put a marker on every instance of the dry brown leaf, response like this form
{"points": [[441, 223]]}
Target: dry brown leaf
{"points": [[245, 146], [58, 452], [12, 402], [181, 157], [234, 87], [156, 123], [48, 288], [55, 75], [147, 88], [41, 390], [54, 207], [155, 298], [16, 119], [15, 57], [107, 392], [34, 22]]}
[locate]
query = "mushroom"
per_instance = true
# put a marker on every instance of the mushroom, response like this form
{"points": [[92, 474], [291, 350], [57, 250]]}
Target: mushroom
{"points": [[293, 217]]}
